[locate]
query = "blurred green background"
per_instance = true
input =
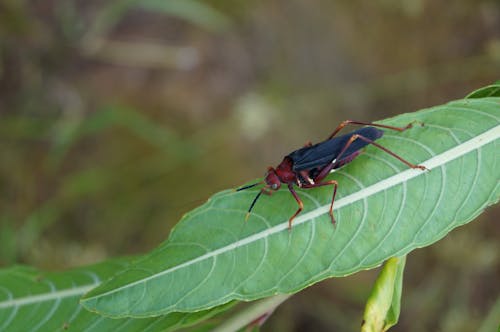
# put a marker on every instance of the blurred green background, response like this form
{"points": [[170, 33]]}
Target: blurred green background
{"points": [[118, 117]]}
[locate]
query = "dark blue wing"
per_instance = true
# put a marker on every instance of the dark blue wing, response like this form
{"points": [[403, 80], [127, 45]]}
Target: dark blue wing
{"points": [[323, 153]]}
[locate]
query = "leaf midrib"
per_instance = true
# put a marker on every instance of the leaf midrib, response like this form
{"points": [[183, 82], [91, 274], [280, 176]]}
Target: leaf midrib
{"points": [[55, 295], [431, 163]]}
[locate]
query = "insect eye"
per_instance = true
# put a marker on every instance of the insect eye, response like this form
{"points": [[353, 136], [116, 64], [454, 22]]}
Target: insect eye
{"points": [[274, 186]]}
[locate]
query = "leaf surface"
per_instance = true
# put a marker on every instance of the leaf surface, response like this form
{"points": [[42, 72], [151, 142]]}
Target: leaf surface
{"points": [[383, 209], [492, 90], [31, 300]]}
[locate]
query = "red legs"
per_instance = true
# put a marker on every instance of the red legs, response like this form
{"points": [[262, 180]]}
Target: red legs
{"points": [[305, 175], [308, 186], [301, 205], [323, 172], [316, 182], [355, 137], [346, 122], [326, 183]]}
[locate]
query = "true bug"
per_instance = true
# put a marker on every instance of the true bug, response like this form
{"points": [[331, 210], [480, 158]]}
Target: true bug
{"points": [[308, 166]]}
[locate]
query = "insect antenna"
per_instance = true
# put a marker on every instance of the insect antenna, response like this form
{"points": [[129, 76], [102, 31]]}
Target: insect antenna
{"points": [[252, 205], [254, 200], [249, 186]]}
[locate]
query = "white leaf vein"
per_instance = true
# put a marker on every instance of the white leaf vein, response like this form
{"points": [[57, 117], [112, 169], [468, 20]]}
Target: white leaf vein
{"points": [[432, 163]]}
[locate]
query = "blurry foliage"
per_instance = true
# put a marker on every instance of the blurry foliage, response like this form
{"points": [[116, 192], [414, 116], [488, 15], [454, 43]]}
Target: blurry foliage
{"points": [[117, 117]]}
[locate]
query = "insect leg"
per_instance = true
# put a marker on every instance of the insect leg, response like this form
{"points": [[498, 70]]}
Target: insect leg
{"points": [[323, 172], [326, 183], [299, 202], [346, 122], [355, 137], [305, 176]]}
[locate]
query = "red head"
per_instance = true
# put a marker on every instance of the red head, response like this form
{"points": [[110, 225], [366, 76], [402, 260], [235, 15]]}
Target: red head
{"points": [[272, 180]]}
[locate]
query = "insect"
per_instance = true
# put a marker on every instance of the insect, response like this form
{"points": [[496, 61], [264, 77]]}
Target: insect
{"points": [[308, 166]]}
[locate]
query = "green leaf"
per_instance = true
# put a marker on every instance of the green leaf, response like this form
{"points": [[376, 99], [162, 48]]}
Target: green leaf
{"points": [[383, 209], [487, 91], [383, 307], [31, 300]]}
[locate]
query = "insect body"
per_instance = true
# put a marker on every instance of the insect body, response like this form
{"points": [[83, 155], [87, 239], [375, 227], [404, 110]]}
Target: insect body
{"points": [[307, 167]]}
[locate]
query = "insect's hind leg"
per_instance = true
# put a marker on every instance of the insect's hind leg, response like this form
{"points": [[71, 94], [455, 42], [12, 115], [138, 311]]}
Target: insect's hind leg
{"points": [[323, 172], [369, 141], [347, 122]]}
